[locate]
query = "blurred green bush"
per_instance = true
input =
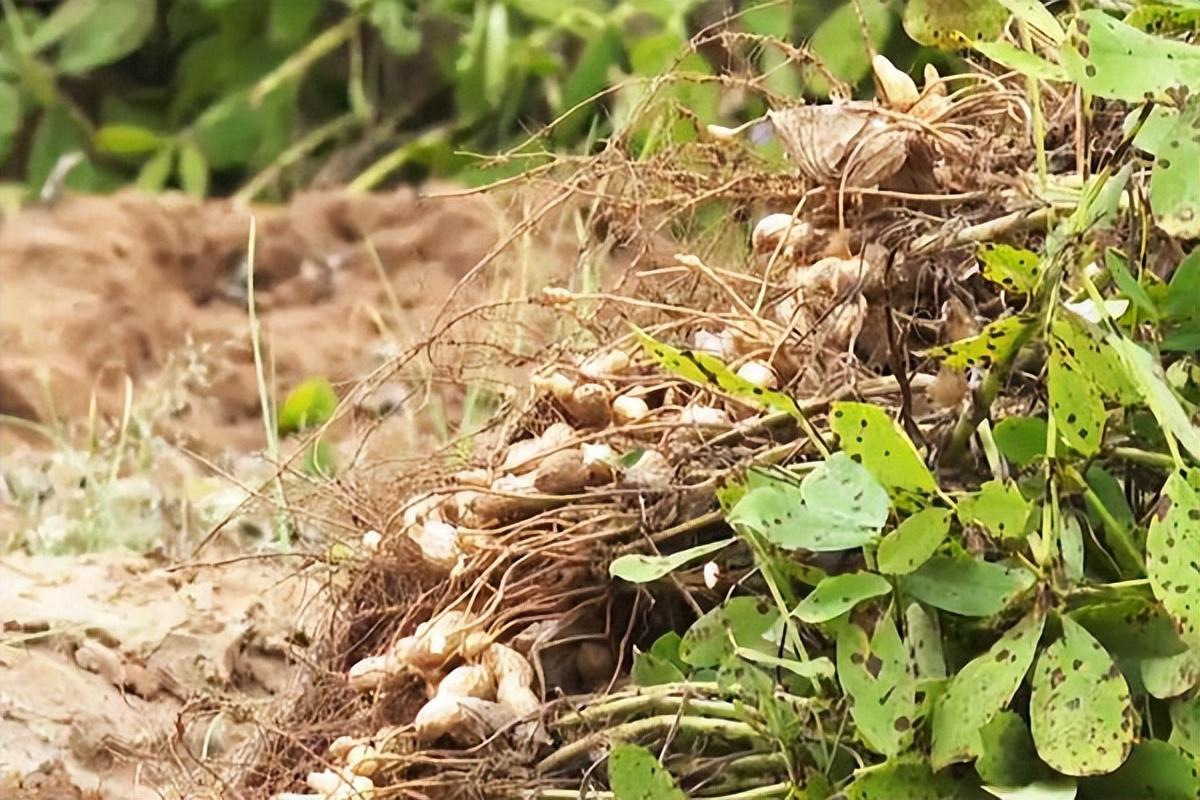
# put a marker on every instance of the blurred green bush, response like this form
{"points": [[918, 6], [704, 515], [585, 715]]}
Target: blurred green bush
{"points": [[262, 96]]}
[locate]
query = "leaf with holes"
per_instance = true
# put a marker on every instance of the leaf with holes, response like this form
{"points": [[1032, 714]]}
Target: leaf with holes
{"points": [[838, 506], [996, 342], [876, 675], [635, 774], [1155, 770], [876, 441], [967, 586], [738, 622], [1014, 268], [949, 24], [637, 568], [1148, 376], [709, 371], [838, 594], [1174, 189], [1080, 712], [1075, 403], [999, 507], [980, 690], [913, 541], [1108, 58], [1173, 555], [1097, 360]]}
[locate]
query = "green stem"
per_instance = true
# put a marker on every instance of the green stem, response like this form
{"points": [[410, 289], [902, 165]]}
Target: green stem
{"points": [[1035, 103], [1145, 458]]}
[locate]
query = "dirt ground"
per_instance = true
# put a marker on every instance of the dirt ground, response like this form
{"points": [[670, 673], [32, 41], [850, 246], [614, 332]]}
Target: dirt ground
{"points": [[116, 670], [94, 289]]}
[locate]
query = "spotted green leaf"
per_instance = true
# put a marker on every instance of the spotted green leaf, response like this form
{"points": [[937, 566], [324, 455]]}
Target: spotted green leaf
{"points": [[1075, 403], [1131, 625], [872, 438], [1161, 18], [913, 541], [967, 586], [980, 690], [661, 663], [1155, 770], [1174, 190], [924, 640], [1108, 58], [635, 774], [994, 343], [838, 506], [1084, 343], [1080, 711], [704, 369], [999, 507], [1173, 556], [838, 594], [738, 622], [638, 568], [875, 673], [948, 24], [1171, 676], [903, 780], [1185, 725], [1014, 268]]}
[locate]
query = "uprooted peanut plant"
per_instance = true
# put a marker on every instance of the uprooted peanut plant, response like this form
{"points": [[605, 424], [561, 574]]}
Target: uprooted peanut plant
{"points": [[877, 474]]}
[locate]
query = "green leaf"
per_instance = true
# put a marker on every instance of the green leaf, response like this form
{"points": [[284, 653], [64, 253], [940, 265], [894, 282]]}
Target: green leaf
{"points": [[903, 780], [1070, 539], [55, 136], [1080, 712], [872, 438], [290, 20], [1171, 676], [397, 25], [635, 774], [68, 15], [945, 23], [1128, 284], [1174, 190], [839, 506], [738, 622], [967, 586], [1132, 626], [1084, 344], [1022, 61], [838, 42], [1016, 269], [994, 343], [1155, 770], [983, 688], [1185, 726], [1180, 302], [193, 170], [709, 371], [1059, 787], [1119, 525], [1075, 403], [924, 639], [876, 675], [1022, 440], [661, 663], [320, 461], [1006, 753], [1156, 392], [495, 54], [1106, 57], [637, 568], [838, 594], [999, 507], [111, 31], [1160, 18], [10, 108], [588, 78], [155, 173], [309, 405], [1173, 555], [913, 541], [1035, 14], [126, 140], [810, 669]]}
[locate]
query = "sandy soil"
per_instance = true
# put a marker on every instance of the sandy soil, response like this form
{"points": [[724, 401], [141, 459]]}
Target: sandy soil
{"points": [[115, 671], [94, 289]]}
